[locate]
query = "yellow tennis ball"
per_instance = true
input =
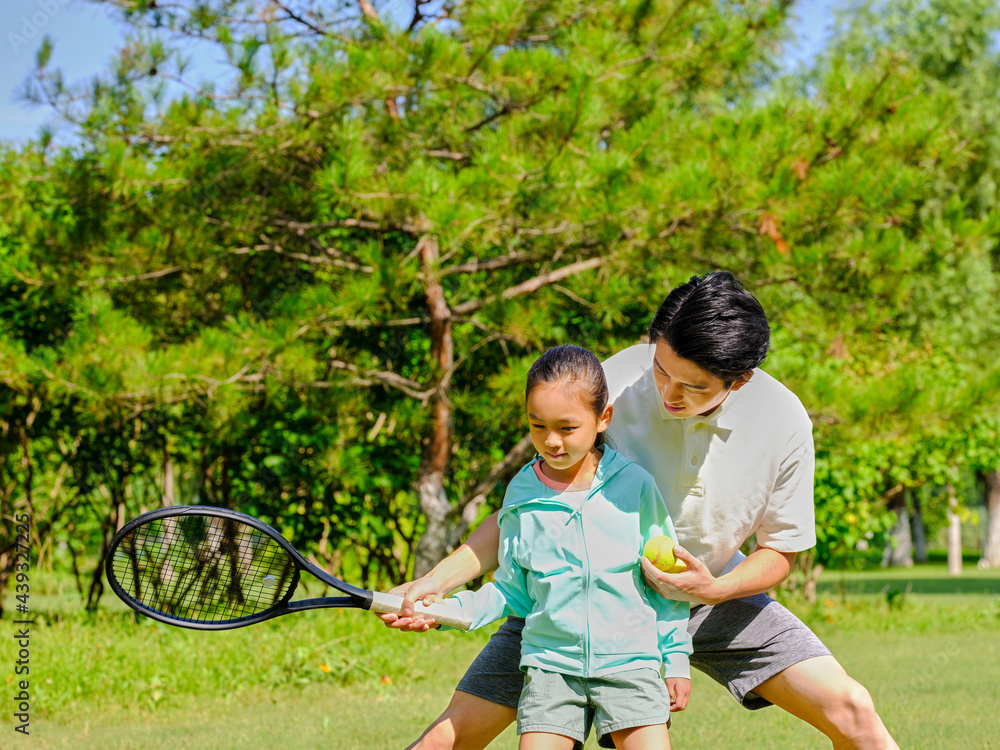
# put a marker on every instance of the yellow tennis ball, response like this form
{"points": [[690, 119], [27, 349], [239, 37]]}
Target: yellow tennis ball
{"points": [[660, 551]]}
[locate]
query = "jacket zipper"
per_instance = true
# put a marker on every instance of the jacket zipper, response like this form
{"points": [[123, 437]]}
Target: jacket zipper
{"points": [[578, 512], [586, 597]]}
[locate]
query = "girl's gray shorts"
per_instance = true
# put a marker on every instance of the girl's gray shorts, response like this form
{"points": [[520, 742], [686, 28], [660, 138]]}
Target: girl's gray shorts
{"points": [[567, 705], [739, 644]]}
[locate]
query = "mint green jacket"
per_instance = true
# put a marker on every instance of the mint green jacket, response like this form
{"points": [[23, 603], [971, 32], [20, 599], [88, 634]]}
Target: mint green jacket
{"points": [[573, 574]]}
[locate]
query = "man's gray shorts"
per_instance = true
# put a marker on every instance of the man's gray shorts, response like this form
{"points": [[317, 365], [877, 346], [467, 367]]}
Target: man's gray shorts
{"points": [[739, 644]]}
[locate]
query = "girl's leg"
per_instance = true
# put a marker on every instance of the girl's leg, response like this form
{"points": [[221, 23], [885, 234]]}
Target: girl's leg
{"points": [[652, 737], [545, 741]]}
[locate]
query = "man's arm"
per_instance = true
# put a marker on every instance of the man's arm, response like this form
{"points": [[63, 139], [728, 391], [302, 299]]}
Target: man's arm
{"points": [[789, 521], [478, 556], [508, 593], [762, 570]]}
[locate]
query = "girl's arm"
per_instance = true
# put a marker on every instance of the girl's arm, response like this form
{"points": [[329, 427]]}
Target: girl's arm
{"points": [[478, 556]]}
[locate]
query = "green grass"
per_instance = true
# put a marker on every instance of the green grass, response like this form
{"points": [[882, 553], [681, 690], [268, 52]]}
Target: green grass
{"points": [[928, 578], [926, 646]]}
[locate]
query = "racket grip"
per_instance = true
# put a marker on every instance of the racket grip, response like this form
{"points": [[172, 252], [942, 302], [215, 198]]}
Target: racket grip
{"points": [[448, 612]]}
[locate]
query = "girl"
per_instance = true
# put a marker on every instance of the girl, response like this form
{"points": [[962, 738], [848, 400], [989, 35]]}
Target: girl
{"points": [[573, 524]]}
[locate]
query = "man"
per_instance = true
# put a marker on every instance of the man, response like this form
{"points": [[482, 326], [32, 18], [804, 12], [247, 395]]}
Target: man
{"points": [[732, 453]]}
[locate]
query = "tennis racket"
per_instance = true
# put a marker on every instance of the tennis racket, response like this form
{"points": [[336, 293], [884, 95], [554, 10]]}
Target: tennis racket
{"points": [[213, 569]]}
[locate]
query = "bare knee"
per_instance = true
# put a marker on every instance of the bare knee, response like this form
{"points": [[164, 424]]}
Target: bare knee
{"points": [[440, 735], [853, 720], [853, 705]]}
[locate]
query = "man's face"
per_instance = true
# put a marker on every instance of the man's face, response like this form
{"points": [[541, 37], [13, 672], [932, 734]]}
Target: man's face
{"points": [[687, 390]]}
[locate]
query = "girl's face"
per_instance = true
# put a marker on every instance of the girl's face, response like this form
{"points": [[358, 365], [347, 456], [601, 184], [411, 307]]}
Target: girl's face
{"points": [[687, 390], [563, 429]]}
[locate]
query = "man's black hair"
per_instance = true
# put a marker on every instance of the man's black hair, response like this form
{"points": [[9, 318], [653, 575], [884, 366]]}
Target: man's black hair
{"points": [[713, 321]]}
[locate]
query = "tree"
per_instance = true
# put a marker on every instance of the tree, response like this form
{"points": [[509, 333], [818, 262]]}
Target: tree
{"points": [[347, 236], [984, 459], [899, 552], [323, 280], [991, 497], [921, 371]]}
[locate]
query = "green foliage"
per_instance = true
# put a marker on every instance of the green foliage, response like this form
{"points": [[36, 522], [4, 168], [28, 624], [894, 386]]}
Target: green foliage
{"points": [[231, 293]]}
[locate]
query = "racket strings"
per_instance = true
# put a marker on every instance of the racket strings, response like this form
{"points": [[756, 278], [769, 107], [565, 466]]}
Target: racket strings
{"points": [[203, 569]]}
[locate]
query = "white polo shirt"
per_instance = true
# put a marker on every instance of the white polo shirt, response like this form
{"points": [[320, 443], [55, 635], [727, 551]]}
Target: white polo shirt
{"points": [[747, 468]]}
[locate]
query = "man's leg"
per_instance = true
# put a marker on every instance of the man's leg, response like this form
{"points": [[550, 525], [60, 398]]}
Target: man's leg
{"points": [[820, 692], [764, 654], [486, 699], [469, 723]]}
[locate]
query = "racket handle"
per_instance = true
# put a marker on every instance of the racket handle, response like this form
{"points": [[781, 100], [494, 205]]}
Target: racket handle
{"points": [[448, 612]]}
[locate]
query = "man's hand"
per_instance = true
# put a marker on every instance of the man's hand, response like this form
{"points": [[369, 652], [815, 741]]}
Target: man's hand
{"points": [[763, 569], [424, 589], [680, 691], [696, 584], [474, 558]]}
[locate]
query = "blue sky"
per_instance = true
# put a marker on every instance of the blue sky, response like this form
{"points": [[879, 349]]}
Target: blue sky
{"points": [[86, 37]]}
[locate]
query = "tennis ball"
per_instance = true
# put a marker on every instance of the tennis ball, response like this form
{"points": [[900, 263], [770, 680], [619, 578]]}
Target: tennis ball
{"points": [[660, 551]]}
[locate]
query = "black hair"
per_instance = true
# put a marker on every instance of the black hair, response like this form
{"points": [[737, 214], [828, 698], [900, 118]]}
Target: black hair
{"points": [[713, 321], [572, 365]]}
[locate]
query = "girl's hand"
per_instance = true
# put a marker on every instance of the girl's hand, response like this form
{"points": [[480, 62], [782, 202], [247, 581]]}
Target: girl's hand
{"points": [[423, 589], [696, 584], [680, 691]]}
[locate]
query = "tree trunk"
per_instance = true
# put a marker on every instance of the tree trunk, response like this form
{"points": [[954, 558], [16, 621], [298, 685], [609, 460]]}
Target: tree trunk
{"points": [[917, 530], [168, 479], [991, 498], [899, 547], [112, 523], [954, 536], [433, 545]]}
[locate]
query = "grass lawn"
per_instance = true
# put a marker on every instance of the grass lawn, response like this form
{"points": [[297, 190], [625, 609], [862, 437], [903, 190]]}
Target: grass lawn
{"points": [[926, 646]]}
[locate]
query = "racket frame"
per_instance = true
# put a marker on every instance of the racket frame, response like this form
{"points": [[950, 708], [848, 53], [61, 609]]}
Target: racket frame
{"points": [[353, 597]]}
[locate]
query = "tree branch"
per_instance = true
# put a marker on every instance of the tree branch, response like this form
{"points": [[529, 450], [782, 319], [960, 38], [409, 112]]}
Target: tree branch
{"points": [[411, 227], [314, 259], [531, 285], [292, 16], [379, 377], [493, 264], [368, 9], [506, 109], [97, 282], [565, 226], [516, 457], [443, 154], [371, 323], [468, 507]]}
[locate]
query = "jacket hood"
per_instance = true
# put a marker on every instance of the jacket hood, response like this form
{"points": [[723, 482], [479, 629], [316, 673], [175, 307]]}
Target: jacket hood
{"points": [[528, 489]]}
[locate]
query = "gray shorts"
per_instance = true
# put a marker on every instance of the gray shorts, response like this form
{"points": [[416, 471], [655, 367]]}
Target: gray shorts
{"points": [[569, 705], [739, 644]]}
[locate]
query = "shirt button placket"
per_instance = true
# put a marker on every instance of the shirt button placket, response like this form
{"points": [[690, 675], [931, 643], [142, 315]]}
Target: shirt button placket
{"points": [[690, 440]]}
